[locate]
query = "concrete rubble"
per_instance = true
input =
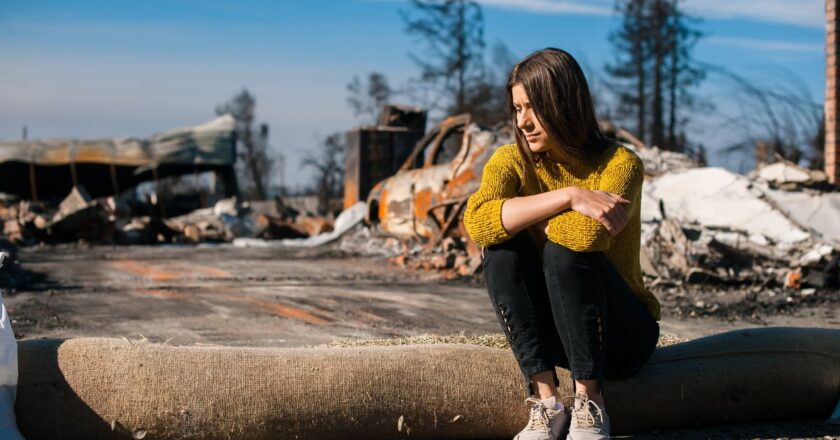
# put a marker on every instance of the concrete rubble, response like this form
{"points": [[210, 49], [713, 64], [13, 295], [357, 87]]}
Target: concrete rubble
{"points": [[112, 220], [815, 211], [709, 225], [345, 221], [789, 176], [718, 199]]}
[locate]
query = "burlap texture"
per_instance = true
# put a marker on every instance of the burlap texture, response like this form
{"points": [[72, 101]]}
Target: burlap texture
{"points": [[739, 376], [81, 388], [220, 393]]}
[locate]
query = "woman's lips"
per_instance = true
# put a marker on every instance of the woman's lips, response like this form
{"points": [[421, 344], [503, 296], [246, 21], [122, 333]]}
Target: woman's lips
{"points": [[531, 137]]}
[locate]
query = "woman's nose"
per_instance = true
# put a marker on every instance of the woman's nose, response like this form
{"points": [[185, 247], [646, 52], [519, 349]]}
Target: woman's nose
{"points": [[523, 122]]}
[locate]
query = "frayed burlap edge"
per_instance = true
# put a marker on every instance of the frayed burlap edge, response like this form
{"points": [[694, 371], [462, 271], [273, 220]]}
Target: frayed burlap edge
{"points": [[489, 340]]}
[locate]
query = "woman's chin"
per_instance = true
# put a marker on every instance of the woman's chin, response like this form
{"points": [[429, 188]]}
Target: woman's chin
{"points": [[536, 148]]}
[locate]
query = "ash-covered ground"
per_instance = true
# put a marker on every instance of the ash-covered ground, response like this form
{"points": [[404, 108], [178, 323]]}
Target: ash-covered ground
{"points": [[286, 297]]}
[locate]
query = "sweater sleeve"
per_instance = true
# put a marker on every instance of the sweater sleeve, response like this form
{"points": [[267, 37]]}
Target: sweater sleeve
{"points": [[483, 213], [585, 234]]}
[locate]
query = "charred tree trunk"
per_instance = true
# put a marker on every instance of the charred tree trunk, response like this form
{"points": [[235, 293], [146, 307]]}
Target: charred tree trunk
{"points": [[659, 49], [672, 99]]}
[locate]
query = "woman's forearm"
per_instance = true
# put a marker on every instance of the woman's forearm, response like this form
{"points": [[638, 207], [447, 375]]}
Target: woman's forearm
{"points": [[519, 213]]}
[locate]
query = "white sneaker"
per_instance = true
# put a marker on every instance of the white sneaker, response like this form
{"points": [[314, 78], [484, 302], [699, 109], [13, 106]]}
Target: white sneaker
{"points": [[544, 423], [589, 421]]}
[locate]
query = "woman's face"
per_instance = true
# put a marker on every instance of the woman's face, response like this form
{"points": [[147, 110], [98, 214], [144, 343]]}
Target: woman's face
{"points": [[538, 139]]}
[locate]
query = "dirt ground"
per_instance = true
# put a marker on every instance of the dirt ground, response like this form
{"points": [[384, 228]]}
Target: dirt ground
{"points": [[282, 297], [233, 296]]}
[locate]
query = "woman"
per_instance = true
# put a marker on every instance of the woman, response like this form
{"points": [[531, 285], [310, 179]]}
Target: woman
{"points": [[557, 214]]}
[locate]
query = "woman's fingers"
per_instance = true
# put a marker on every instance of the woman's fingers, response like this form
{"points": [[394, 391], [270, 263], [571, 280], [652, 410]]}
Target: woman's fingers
{"points": [[607, 217], [622, 211], [618, 218], [605, 207], [615, 221], [619, 198], [604, 219]]}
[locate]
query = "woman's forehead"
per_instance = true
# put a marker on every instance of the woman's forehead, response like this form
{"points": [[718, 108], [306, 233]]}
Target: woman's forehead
{"points": [[518, 92]]}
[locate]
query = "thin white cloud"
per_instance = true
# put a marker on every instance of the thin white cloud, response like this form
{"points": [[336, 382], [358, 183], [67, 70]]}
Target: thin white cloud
{"points": [[810, 13], [759, 44], [551, 6]]}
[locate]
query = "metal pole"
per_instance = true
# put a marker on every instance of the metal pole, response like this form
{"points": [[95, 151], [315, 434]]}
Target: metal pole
{"points": [[73, 173], [33, 184], [202, 197], [157, 192], [114, 184]]}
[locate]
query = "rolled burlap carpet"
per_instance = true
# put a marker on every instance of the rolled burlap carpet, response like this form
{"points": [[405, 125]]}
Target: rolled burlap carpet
{"points": [[112, 388]]}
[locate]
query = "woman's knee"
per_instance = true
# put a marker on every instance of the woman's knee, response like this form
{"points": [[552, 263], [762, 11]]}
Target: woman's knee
{"points": [[509, 254], [499, 258], [562, 260], [628, 361], [625, 368]]}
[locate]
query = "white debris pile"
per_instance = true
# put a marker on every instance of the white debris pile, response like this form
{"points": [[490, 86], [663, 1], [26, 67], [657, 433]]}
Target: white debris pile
{"points": [[819, 212], [364, 241], [719, 199], [789, 176], [658, 162], [345, 221], [711, 225]]}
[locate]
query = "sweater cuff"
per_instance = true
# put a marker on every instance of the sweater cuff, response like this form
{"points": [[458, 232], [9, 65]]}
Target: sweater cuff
{"points": [[485, 228], [578, 232]]}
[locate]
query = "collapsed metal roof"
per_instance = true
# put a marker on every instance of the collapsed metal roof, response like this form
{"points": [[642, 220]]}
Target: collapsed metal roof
{"points": [[50, 167], [208, 143]]}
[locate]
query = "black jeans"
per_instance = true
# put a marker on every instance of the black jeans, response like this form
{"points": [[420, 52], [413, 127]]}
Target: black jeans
{"points": [[572, 309]]}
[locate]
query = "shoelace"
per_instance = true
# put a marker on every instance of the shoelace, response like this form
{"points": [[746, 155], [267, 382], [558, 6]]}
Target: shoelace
{"points": [[539, 415], [582, 416]]}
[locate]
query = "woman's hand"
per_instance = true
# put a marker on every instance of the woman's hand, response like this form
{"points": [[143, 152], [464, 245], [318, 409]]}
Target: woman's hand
{"points": [[607, 208]]}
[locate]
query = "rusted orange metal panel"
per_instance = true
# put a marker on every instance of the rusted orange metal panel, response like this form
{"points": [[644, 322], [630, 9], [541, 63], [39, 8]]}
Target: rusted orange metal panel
{"points": [[418, 201]]}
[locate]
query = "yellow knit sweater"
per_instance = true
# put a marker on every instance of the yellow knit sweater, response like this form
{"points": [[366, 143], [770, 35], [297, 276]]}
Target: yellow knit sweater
{"points": [[618, 170]]}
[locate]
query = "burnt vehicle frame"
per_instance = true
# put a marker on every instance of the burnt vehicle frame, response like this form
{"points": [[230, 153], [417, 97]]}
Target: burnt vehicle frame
{"points": [[425, 198]]}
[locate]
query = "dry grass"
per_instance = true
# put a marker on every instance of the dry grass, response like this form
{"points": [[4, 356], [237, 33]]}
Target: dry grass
{"points": [[491, 340]]}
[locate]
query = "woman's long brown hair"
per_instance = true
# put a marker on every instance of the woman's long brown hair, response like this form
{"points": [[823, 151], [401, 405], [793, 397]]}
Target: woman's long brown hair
{"points": [[559, 95]]}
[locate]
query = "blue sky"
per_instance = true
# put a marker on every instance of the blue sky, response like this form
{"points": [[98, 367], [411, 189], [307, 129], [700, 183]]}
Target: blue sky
{"points": [[120, 68]]}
